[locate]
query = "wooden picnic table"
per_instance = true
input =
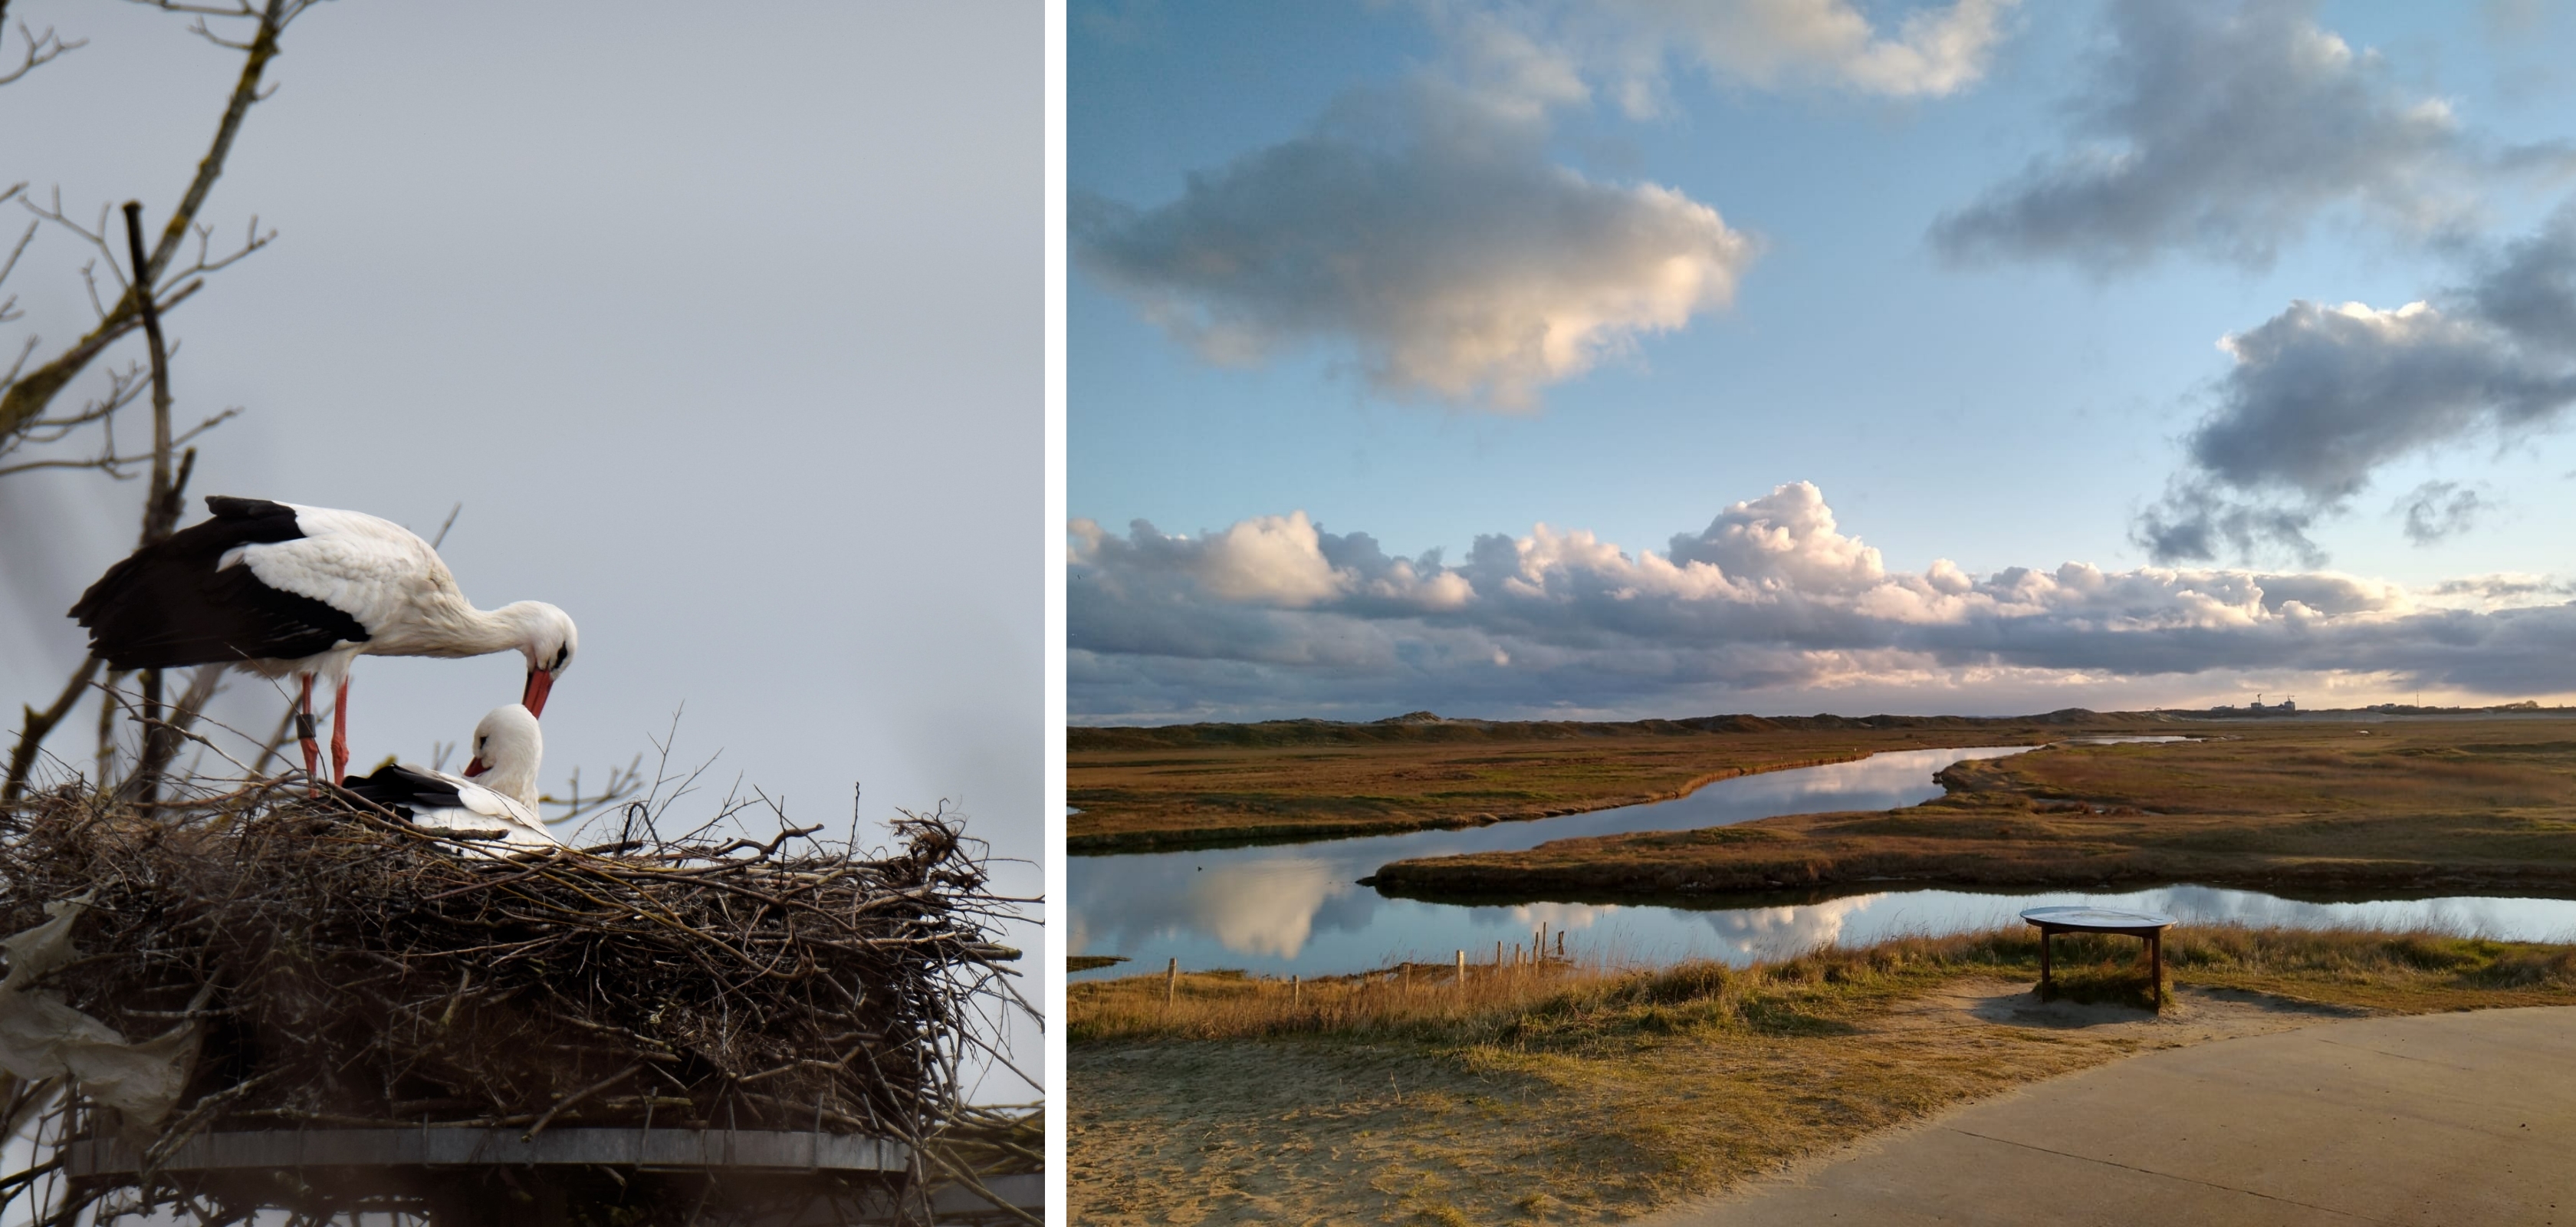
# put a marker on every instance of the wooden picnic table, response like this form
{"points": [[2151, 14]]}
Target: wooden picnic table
{"points": [[2150, 926]]}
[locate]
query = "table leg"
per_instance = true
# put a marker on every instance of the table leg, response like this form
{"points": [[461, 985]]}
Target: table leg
{"points": [[2156, 968], [2043, 958]]}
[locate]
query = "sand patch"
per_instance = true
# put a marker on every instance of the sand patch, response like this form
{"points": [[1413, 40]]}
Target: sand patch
{"points": [[2195, 1016], [1284, 1132]]}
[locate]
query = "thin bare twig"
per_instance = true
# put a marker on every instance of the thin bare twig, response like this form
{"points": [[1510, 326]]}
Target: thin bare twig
{"points": [[42, 49]]}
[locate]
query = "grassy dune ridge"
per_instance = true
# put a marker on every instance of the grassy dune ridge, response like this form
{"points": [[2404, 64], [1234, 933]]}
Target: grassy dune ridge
{"points": [[2404, 972], [1574, 1093], [2451, 805]]}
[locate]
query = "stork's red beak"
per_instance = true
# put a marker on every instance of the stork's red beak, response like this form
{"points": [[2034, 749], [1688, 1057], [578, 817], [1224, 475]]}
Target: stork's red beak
{"points": [[475, 768], [539, 682]]}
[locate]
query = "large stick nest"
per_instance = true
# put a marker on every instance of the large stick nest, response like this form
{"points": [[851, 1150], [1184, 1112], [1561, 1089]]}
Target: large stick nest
{"points": [[352, 970]]}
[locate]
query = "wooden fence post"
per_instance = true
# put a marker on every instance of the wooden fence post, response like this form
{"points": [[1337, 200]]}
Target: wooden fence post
{"points": [[1462, 972], [1171, 981], [1296, 989]]}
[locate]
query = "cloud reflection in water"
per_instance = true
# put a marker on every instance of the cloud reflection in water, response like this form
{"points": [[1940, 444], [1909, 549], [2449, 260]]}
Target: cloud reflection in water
{"points": [[1297, 908]]}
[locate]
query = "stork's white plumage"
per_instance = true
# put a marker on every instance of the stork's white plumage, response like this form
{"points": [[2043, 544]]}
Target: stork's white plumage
{"points": [[500, 795], [284, 590]]}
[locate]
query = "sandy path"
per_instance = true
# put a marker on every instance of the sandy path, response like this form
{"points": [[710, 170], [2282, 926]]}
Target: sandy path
{"points": [[2431, 1119]]}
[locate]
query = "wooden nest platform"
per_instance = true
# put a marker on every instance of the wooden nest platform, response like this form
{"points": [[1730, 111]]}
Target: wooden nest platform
{"points": [[353, 1013]]}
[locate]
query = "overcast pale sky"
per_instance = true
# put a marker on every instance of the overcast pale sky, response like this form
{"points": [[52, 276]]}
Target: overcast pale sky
{"points": [[725, 327], [1527, 357]]}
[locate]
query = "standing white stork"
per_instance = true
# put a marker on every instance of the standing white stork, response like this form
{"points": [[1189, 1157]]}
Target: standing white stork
{"points": [[286, 590], [499, 793]]}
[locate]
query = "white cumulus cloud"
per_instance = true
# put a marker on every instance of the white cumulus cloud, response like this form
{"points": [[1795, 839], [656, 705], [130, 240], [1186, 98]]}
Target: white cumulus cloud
{"points": [[1929, 52], [1774, 599], [1426, 231]]}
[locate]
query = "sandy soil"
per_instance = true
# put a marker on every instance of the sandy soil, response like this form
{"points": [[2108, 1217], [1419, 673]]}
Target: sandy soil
{"points": [[1318, 1133]]}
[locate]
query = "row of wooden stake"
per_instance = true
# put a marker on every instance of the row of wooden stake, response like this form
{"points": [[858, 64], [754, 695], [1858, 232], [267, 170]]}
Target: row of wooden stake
{"points": [[1538, 953]]}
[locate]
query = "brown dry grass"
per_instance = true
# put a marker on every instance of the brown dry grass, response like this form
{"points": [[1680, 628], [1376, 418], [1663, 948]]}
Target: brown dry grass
{"points": [[1585, 1093], [1132, 799], [2448, 804]]}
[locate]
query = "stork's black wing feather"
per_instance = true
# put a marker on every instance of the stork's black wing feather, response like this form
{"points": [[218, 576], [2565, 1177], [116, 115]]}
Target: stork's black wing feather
{"points": [[404, 789], [166, 605]]}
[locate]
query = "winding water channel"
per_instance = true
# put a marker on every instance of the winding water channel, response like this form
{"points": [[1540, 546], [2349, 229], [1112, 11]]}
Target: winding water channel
{"points": [[1297, 908]]}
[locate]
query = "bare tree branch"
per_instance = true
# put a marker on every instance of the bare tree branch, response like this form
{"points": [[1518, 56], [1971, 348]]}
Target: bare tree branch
{"points": [[623, 785], [162, 737], [108, 703], [161, 507], [97, 237], [268, 750], [41, 723], [9, 306], [42, 48], [26, 399], [112, 464]]}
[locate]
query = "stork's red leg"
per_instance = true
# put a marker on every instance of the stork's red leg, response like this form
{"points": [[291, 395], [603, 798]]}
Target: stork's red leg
{"points": [[304, 733], [340, 732]]}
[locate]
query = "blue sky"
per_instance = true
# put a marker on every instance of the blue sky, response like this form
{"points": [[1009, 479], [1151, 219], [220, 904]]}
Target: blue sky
{"points": [[2036, 381]]}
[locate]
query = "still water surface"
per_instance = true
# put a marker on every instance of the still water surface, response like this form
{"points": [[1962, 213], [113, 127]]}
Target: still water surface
{"points": [[1297, 908]]}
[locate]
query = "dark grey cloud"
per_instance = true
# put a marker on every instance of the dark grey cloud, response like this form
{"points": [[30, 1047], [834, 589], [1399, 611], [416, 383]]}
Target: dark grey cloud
{"points": [[1425, 230], [2527, 288], [2226, 130], [2320, 398], [1774, 598], [2439, 510], [2198, 520]]}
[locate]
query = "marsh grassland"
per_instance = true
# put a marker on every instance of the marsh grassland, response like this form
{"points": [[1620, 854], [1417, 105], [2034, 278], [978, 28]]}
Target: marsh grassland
{"points": [[2431, 805], [1566, 1093], [1139, 789], [1590, 1092]]}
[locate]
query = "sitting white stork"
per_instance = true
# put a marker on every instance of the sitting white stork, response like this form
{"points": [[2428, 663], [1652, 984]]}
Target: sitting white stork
{"points": [[498, 795], [286, 590]]}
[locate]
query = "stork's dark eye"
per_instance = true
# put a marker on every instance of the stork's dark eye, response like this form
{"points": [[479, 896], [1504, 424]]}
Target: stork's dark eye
{"points": [[561, 655]]}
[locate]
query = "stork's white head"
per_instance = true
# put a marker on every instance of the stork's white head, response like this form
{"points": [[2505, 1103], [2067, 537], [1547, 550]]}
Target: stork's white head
{"points": [[508, 749], [548, 640]]}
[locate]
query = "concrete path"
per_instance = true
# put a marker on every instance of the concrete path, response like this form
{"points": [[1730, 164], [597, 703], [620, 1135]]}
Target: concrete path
{"points": [[2437, 1119]]}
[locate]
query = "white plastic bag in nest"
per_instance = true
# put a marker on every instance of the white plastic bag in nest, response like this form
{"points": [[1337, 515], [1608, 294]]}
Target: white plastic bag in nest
{"points": [[42, 1036]]}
